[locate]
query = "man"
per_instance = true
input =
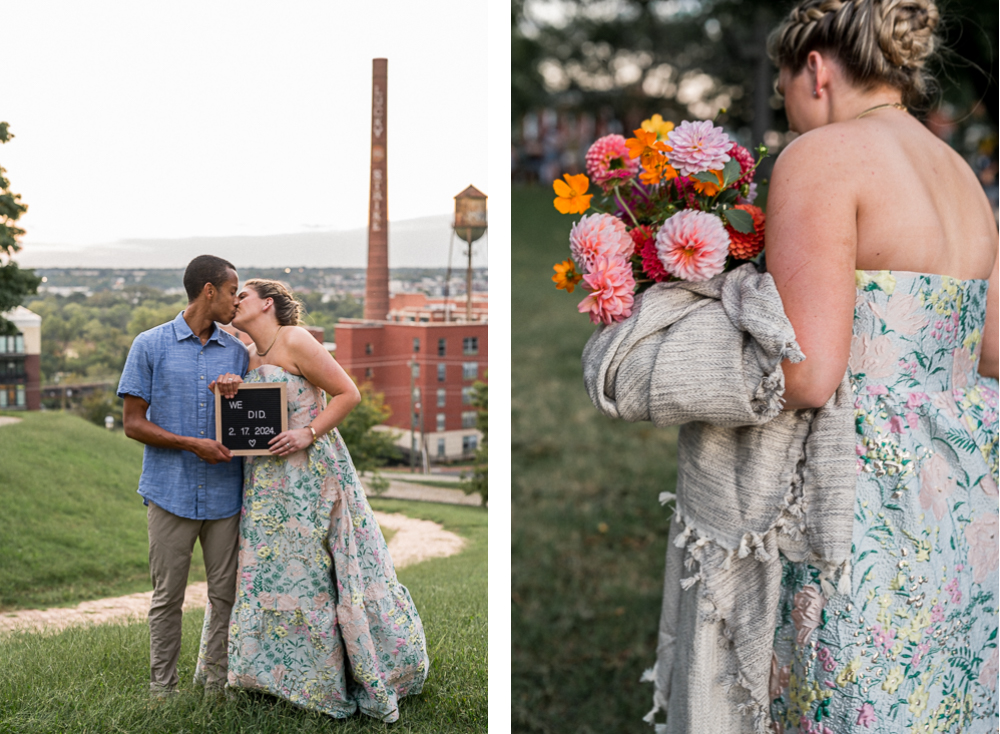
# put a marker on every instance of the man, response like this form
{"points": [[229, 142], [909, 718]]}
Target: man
{"points": [[193, 488]]}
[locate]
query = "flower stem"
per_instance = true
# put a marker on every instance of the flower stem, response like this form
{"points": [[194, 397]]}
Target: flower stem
{"points": [[624, 206]]}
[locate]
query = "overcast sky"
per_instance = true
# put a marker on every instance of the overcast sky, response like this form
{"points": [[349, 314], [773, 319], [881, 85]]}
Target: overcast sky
{"points": [[183, 119]]}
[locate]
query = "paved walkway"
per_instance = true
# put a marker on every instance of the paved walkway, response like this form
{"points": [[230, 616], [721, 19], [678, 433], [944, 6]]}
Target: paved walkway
{"points": [[400, 489], [415, 541]]}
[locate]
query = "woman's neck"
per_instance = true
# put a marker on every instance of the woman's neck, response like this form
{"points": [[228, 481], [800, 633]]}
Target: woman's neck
{"points": [[846, 103], [263, 334]]}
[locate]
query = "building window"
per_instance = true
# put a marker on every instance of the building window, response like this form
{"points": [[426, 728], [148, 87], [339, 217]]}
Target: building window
{"points": [[368, 348], [12, 344], [20, 396], [469, 444], [441, 371], [415, 366], [442, 344], [470, 345], [468, 394], [416, 395], [469, 418], [470, 370], [440, 422], [416, 344], [442, 396], [19, 344], [441, 448], [369, 373]]}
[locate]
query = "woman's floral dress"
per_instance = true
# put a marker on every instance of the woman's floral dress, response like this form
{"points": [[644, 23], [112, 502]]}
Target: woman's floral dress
{"points": [[320, 618], [914, 647]]}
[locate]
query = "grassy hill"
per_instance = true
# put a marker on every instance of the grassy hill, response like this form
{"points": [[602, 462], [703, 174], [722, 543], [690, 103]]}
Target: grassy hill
{"points": [[72, 526]]}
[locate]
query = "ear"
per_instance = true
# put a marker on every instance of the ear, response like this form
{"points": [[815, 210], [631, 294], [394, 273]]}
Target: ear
{"points": [[820, 71], [208, 290]]}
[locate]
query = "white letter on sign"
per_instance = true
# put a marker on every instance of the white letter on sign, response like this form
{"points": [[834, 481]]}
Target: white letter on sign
{"points": [[256, 414], [235, 404]]}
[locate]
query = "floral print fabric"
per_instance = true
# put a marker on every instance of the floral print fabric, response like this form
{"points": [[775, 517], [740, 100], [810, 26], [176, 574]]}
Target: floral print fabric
{"points": [[320, 618], [914, 646]]}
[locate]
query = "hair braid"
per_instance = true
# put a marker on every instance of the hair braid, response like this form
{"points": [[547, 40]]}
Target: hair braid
{"points": [[877, 41]]}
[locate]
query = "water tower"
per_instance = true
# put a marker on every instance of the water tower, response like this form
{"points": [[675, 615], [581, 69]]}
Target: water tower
{"points": [[469, 225]]}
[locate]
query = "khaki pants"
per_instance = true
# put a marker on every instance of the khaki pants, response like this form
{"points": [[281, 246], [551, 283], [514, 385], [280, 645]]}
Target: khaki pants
{"points": [[171, 543]]}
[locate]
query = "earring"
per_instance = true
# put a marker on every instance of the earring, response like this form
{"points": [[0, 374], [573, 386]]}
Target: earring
{"points": [[816, 93]]}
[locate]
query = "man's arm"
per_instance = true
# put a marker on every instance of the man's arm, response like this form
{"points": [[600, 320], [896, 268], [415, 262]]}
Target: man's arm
{"points": [[140, 428]]}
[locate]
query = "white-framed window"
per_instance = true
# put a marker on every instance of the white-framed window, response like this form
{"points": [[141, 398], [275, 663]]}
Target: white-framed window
{"points": [[20, 396], [442, 347], [416, 395], [440, 422], [470, 345], [442, 370], [470, 370], [440, 451], [469, 418], [442, 395], [416, 344], [468, 394], [469, 444]]}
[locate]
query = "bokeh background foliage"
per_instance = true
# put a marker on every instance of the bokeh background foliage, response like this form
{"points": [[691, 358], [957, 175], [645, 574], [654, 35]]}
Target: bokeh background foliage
{"points": [[589, 535]]}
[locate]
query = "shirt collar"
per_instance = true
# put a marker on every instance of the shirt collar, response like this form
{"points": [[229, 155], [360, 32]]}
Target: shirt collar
{"points": [[182, 331]]}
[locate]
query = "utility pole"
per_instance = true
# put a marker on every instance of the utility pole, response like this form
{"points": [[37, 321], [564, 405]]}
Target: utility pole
{"points": [[414, 406]]}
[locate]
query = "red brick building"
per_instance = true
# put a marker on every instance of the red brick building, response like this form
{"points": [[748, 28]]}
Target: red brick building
{"points": [[448, 358]]}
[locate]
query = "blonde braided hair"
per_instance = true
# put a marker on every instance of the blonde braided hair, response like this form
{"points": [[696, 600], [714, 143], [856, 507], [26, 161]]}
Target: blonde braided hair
{"points": [[876, 41]]}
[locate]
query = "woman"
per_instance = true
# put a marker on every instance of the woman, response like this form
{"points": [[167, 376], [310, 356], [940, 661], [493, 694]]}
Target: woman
{"points": [[319, 618], [883, 247]]}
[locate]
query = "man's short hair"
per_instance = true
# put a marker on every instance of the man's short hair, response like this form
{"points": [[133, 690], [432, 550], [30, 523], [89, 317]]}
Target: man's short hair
{"points": [[205, 269]]}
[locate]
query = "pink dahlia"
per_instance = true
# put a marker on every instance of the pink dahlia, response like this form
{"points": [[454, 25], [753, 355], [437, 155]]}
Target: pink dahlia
{"points": [[608, 159], [611, 287], [745, 159], [597, 235], [645, 247], [693, 245], [697, 147]]}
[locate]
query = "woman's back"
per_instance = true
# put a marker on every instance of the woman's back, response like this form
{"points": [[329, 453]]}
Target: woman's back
{"points": [[920, 207]]}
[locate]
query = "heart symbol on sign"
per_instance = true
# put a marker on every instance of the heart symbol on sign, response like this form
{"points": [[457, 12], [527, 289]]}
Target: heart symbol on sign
{"points": [[252, 442]]}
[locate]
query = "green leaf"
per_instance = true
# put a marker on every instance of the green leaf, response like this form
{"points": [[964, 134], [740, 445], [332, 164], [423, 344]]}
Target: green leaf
{"points": [[739, 220], [728, 196], [731, 171], [706, 177]]}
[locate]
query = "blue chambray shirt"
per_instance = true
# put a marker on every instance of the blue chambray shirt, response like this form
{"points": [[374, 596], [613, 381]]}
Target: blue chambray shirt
{"points": [[170, 369]]}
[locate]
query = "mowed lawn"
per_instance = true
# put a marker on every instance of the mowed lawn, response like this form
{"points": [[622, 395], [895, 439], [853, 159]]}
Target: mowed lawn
{"points": [[589, 535], [87, 539]]}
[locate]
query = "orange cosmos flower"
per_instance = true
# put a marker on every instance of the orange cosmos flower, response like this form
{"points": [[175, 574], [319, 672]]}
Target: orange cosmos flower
{"points": [[642, 142], [566, 276], [708, 189], [572, 196]]}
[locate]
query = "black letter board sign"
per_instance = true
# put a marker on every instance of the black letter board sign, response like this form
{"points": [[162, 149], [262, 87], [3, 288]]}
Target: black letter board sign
{"points": [[245, 423]]}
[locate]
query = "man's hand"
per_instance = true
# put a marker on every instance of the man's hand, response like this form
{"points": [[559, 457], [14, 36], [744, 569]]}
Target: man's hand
{"points": [[228, 384], [211, 451]]}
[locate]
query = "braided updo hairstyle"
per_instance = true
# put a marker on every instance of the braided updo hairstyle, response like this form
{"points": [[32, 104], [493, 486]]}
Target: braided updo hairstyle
{"points": [[876, 41], [286, 308]]}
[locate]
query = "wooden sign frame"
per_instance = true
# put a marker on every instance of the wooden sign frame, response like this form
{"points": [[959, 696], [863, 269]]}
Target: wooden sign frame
{"points": [[265, 451]]}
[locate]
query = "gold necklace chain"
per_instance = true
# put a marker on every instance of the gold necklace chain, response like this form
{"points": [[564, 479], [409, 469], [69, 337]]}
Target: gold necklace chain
{"points": [[894, 105], [260, 353]]}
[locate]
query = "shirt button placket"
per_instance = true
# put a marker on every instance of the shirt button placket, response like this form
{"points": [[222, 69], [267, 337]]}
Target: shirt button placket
{"points": [[203, 422]]}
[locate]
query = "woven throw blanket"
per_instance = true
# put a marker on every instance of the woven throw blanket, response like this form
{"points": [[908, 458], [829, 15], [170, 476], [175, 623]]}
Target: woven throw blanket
{"points": [[751, 479]]}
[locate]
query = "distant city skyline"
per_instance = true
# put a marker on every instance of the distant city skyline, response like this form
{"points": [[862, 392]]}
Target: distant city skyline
{"points": [[163, 123]]}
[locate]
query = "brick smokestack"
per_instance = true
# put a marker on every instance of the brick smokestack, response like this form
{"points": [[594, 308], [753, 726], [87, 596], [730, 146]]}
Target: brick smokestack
{"points": [[377, 277]]}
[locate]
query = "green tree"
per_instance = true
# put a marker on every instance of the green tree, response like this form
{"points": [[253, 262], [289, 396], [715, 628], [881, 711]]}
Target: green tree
{"points": [[479, 482], [15, 283], [370, 448]]}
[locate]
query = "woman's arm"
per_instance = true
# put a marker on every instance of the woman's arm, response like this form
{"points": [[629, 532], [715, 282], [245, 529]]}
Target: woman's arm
{"points": [[988, 361], [811, 253], [314, 363]]}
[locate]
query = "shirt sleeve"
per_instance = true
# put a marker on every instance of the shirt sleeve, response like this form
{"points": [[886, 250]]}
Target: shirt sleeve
{"points": [[137, 377], [244, 359]]}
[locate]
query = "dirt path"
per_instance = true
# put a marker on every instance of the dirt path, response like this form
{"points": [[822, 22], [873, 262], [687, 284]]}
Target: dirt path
{"points": [[7, 421], [414, 541]]}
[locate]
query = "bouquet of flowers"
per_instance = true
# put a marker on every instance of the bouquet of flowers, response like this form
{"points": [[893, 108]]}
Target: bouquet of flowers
{"points": [[677, 205]]}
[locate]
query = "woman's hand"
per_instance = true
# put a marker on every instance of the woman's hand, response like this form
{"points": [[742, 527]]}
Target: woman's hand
{"points": [[228, 384], [288, 442]]}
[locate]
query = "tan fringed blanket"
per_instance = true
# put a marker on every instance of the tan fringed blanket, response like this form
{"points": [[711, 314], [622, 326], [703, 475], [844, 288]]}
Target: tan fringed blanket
{"points": [[751, 479]]}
